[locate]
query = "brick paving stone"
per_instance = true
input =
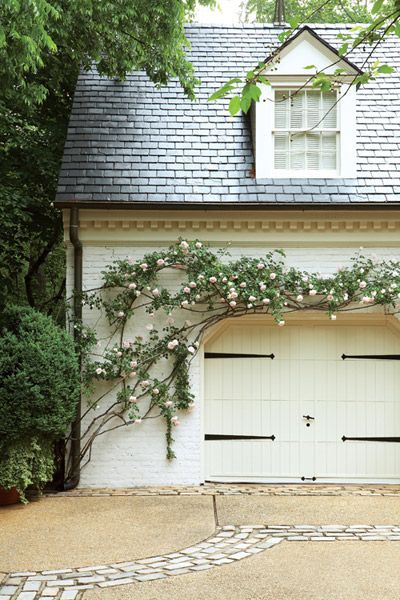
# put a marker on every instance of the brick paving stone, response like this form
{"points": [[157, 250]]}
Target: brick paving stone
{"points": [[91, 579], [105, 584], [8, 590], [50, 591], [56, 572], [239, 555], [32, 586], [151, 577], [69, 595], [26, 596], [223, 561], [179, 566]]}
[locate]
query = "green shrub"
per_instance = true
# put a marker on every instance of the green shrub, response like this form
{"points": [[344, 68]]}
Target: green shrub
{"points": [[25, 463], [39, 374]]}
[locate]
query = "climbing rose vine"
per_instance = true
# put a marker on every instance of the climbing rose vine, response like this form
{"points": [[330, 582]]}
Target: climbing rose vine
{"points": [[147, 375]]}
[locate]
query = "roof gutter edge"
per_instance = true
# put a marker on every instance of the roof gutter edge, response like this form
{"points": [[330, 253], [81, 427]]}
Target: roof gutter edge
{"points": [[225, 205]]}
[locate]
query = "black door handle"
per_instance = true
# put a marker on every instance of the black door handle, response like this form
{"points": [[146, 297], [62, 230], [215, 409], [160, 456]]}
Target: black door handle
{"points": [[308, 418]]}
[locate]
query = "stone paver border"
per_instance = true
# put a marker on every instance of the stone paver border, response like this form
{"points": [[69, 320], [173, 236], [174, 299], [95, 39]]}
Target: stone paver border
{"points": [[220, 489], [227, 545]]}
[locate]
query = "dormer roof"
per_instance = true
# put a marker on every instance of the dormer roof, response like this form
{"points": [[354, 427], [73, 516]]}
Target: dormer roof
{"points": [[306, 48]]}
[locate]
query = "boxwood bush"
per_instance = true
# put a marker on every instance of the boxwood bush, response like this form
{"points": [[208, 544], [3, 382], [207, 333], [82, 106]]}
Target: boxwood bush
{"points": [[39, 374], [25, 463]]}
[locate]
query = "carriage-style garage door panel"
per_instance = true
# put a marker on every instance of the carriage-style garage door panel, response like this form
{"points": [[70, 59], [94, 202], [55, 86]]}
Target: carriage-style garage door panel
{"points": [[307, 378]]}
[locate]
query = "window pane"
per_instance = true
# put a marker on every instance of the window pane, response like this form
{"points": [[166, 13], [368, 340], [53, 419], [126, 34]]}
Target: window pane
{"points": [[329, 150], [281, 150], [313, 108], [329, 109], [297, 151], [297, 110], [282, 104]]}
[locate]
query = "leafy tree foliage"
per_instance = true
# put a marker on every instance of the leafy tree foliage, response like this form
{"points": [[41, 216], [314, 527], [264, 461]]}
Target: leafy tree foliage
{"points": [[42, 45], [310, 11]]}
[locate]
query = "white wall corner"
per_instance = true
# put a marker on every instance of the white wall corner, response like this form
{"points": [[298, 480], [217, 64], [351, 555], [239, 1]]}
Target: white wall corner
{"points": [[348, 131], [262, 133]]}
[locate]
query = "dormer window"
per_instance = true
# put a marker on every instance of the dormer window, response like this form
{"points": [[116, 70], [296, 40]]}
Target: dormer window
{"points": [[305, 133], [300, 131]]}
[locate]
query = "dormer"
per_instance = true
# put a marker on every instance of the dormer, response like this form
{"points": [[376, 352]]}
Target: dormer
{"points": [[301, 131]]}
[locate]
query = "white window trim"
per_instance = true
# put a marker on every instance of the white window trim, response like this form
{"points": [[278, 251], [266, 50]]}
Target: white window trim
{"points": [[263, 127]]}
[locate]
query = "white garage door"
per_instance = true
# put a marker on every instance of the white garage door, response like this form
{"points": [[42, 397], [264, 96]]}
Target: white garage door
{"points": [[284, 419]]}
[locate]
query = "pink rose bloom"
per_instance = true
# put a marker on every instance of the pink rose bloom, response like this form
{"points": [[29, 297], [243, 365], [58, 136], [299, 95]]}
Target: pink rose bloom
{"points": [[243, 284], [260, 266], [155, 292], [186, 290], [145, 383], [156, 391], [132, 374], [192, 284], [119, 354], [99, 371], [213, 280], [191, 350], [184, 303], [333, 317], [250, 305], [299, 298], [132, 286], [281, 323], [144, 266], [132, 399], [121, 313], [266, 301], [160, 262], [184, 245], [168, 403], [329, 297], [363, 285], [149, 326], [137, 421], [232, 303], [224, 280], [172, 344], [175, 421], [252, 298], [312, 292], [199, 245], [272, 276], [133, 364]]}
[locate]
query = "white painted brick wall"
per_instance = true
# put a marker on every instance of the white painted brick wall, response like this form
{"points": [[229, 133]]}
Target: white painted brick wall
{"points": [[135, 456]]}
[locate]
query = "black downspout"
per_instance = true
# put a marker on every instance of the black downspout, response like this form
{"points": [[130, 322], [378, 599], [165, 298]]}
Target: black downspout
{"points": [[74, 475]]}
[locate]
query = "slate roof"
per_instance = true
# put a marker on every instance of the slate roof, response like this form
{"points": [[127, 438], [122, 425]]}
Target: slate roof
{"points": [[129, 143]]}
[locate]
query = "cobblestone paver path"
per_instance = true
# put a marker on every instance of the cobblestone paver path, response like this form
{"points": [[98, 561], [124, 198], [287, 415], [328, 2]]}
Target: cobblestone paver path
{"points": [[228, 544]]}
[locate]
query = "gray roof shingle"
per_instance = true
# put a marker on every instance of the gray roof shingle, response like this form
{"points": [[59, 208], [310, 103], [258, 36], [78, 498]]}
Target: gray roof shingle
{"points": [[130, 142]]}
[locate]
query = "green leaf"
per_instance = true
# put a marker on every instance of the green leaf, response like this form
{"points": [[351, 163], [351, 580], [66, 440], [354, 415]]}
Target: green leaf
{"points": [[245, 103], [343, 49], [263, 79], [376, 6], [310, 67], [234, 105], [293, 22], [385, 69]]}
